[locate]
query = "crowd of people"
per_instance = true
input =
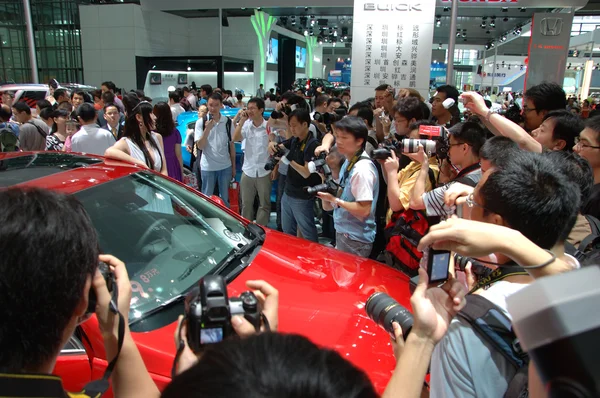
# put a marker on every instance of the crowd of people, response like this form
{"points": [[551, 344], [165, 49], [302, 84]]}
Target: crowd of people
{"points": [[387, 177]]}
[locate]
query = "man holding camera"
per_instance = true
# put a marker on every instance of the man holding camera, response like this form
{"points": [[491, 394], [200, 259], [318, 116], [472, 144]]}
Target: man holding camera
{"points": [[354, 208], [217, 164], [255, 179], [39, 316], [297, 210], [464, 145]]}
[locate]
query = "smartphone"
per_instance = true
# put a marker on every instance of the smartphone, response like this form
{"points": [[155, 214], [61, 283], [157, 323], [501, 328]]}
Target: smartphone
{"points": [[438, 263]]}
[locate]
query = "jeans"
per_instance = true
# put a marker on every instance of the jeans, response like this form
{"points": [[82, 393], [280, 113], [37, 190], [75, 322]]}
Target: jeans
{"points": [[249, 187], [355, 247], [221, 177], [280, 190], [299, 213]]}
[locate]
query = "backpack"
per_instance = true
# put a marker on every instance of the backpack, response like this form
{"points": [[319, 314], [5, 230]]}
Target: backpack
{"points": [[492, 325], [8, 140], [588, 251], [403, 234], [380, 213], [192, 125]]}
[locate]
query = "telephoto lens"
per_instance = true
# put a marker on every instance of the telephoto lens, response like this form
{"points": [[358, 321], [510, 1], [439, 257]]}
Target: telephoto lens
{"points": [[411, 145], [384, 310]]}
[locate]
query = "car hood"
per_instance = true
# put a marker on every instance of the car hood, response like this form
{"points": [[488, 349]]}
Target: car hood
{"points": [[322, 294]]}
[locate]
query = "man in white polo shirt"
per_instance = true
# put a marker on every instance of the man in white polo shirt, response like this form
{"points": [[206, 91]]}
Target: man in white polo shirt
{"points": [[255, 179]]}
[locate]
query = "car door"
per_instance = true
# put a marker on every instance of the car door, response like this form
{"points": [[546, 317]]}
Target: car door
{"points": [[74, 365], [31, 97]]}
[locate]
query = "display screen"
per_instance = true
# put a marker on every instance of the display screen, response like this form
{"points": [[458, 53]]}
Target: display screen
{"points": [[211, 335], [300, 57], [439, 266], [273, 51]]}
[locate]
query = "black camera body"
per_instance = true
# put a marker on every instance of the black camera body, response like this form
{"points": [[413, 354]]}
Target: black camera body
{"points": [[319, 164], [477, 268], [274, 159], [285, 110], [109, 278], [209, 311]]}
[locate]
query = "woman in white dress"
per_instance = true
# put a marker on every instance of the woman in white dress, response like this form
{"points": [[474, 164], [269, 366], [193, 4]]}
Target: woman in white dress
{"points": [[140, 144]]}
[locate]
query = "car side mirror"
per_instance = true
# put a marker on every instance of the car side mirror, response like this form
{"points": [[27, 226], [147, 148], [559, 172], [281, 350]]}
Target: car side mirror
{"points": [[218, 200]]}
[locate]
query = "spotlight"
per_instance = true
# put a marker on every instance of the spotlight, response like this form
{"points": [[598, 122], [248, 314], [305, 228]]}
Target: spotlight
{"points": [[345, 37], [446, 9], [504, 9], [464, 35], [487, 46], [483, 25], [523, 9], [492, 24], [305, 8], [457, 34], [465, 39], [320, 41], [335, 33], [189, 68], [245, 69], [293, 23], [487, 32], [505, 19], [334, 43], [259, 8], [484, 18], [305, 32], [440, 46], [153, 66], [492, 44]]}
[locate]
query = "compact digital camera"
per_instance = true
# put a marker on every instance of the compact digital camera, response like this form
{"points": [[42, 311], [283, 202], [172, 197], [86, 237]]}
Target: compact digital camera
{"points": [[109, 278]]}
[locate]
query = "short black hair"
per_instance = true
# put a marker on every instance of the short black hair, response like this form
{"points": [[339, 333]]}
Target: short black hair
{"points": [[334, 99], [354, 125], [547, 96], [387, 88], [108, 97], [216, 96], [409, 108], [450, 91], [320, 100], [239, 97], [60, 92], [5, 112], [363, 111], [206, 87], [498, 150], [49, 239], [43, 104], [79, 93], [533, 197], [109, 85], [110, 104], [22, 107], [291, 366], [259, 102], [576, 168], [47, 113], [567, 126], [295, 99], [593, 123], [185, 88], [470, 133], [301, 114], [174, 95], [86, 112]]}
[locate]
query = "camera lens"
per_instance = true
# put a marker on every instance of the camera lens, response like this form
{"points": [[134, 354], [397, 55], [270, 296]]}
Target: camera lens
{"points": [[384, 310]]}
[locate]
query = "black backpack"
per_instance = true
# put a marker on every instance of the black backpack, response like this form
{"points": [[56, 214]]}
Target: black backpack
{"points": [[588, 251], [492, 325], [192, 126], [8, 140]]}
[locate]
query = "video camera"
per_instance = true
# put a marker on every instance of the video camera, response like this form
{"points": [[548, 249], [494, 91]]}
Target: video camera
{"points": [[209, 310], [319, 164], [273, 159]]}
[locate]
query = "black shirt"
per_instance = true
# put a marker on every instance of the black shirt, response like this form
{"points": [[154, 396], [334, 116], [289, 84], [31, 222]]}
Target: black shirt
{"points": [[33, 385], [295, 183], [592, 206]]}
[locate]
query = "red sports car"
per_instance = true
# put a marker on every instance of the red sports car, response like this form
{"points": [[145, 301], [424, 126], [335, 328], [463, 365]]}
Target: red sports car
{"points": [[170, 236]]}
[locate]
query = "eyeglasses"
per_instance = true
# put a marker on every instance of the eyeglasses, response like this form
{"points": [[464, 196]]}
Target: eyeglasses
{"points": [[581, 145], [458, 143], [526, 109], [471, 202]]}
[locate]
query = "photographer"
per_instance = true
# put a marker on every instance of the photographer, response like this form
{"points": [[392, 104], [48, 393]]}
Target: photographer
{"points": [[443, 116], [354, 209], [365, 112], [255, 178], [384, 111], [528, 194], [297, 210], [40, 316], [464, 145]]}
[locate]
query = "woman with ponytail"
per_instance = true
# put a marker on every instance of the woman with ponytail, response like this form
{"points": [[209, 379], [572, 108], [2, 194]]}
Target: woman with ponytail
{"points": [[140, 144]]}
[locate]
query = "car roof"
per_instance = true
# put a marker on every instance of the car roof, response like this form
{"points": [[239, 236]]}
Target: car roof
{"points": [[15, 87], [60, 171]]}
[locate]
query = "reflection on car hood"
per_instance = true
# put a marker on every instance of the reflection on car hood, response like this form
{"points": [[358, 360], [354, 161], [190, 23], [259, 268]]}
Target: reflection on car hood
{"points": [[322, 293]]}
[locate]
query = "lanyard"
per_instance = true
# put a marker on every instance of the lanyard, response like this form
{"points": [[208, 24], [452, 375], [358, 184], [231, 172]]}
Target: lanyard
{"points": [[304, 142], [351, 165], [467, 170], [498, 274]]}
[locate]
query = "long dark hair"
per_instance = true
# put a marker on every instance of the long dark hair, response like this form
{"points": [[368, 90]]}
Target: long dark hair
{"points": [[164, 119], [56, 114], [133, 132]]}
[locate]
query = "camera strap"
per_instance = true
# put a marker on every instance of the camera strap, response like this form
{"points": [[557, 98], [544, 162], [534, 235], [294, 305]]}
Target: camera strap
{"points": [[96, 388], [355, 159], [497, 275], [305, 142], [180, 347]]}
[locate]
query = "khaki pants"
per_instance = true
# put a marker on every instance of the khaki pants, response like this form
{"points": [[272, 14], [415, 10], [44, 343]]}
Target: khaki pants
{"points": [[249, 187]]}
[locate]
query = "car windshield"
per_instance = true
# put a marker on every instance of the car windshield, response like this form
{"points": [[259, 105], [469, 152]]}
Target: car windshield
{"points": [[167, 236]]}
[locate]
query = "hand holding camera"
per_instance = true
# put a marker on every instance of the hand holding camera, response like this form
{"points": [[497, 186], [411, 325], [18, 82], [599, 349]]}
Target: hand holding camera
{"points": [[474, 103]]}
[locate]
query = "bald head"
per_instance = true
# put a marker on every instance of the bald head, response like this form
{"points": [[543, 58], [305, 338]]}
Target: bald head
{"points": [[5, 113]]}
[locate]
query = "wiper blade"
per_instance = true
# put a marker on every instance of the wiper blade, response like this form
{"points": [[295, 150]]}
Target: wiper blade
{"points": [[243, 252], [188, 271], [157, 309]]}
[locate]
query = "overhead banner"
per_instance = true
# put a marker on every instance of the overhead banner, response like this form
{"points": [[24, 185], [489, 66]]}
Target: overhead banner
{"points": [[548, 48], [516, 3], [391, 44]]}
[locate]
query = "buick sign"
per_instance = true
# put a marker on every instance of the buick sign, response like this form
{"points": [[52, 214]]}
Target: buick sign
{"points": [[551, 26], [393, 7]]}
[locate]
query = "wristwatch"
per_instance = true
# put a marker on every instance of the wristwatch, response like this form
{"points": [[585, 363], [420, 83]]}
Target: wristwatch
{"points": [[337, 202]]}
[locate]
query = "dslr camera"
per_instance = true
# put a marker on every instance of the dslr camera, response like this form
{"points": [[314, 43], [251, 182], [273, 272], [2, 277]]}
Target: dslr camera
{"points": [[109, 278], [330, 118], [319, 164], [274, 159], [285, 109], [438, 145], [209, 310]]}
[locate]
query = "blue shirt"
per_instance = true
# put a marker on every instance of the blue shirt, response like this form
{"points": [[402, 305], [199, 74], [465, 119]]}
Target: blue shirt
{"points": [[361, 185], [13, 126]]}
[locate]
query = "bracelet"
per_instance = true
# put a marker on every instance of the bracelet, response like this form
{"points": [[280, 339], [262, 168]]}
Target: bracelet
{"points": [[544, 264], [338, 202], [489, 115]]}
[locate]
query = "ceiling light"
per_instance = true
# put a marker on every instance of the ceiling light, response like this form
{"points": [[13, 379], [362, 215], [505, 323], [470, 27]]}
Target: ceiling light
{"points": [[293, 23], [259, 8], [464, 35], [483, 25], [345, 37], [504, 9], [335, 33], [492, 44], [457, 34], [446, 9], [492, 24], [522, 9], [305, 32], [505, 19], [334, 43], [245, 69], [440, 46], [189, 68]]}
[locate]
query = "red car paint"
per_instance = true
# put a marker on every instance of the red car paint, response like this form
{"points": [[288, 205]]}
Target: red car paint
{"points": [[322, 296]]}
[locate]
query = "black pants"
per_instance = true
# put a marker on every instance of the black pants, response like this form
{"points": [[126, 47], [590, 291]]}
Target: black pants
{"points": [[328, 226], [280, 190]]}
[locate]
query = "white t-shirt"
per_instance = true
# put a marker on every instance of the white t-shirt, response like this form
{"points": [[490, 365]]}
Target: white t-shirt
{"points": [[176, 110], [215, 155], [256, 141], [92, 139], [362, 181]]}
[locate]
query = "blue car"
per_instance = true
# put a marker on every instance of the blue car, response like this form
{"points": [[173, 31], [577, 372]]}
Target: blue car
{"points": [[187, 121]]}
